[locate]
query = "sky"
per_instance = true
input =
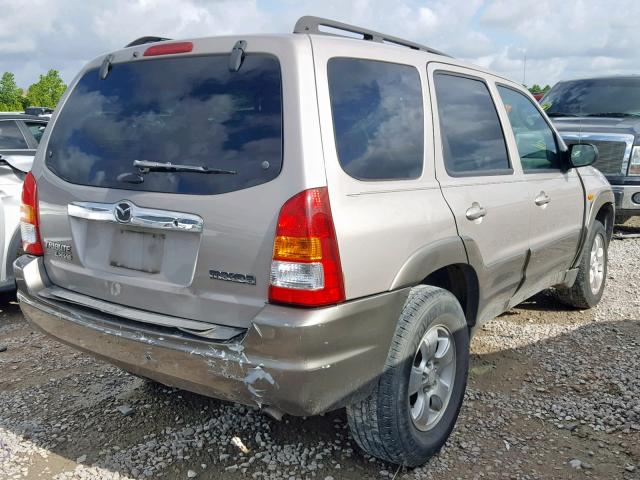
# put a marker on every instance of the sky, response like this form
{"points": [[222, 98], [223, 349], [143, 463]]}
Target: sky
{"points": [[562, 39]]}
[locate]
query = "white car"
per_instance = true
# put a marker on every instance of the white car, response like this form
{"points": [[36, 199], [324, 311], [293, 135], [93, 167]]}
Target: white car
{"points": [[19, 138]]}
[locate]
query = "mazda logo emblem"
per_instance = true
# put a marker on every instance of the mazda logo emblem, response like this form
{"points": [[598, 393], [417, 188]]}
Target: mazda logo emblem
{"points": [[123, 212]]}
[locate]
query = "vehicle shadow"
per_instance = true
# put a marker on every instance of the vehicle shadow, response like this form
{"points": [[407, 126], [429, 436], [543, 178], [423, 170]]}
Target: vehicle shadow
{"points": [[65, 403], [623, 232], [9, 308], [544, 301]]}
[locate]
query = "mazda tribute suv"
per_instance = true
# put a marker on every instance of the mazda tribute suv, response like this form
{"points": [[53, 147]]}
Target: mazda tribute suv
{"points": [[304, 222]]}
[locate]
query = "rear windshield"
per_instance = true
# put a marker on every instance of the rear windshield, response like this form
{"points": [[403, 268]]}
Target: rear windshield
{"points": [[596, 97], [184, 111]]}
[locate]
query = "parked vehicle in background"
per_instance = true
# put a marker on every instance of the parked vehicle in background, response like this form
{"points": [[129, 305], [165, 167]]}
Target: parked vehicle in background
{"points": [[604, 111], [264, 219], [39, 111], [19, 137]]}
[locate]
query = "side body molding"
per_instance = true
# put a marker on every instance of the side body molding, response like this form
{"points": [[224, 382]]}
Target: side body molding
{"points": [[428, 259]]}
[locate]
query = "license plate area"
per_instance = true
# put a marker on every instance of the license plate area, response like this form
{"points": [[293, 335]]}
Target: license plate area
{"points": [[137, 250]]}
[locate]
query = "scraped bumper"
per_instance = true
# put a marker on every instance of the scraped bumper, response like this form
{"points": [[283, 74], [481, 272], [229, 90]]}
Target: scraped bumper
{"points": [[300, 361]]}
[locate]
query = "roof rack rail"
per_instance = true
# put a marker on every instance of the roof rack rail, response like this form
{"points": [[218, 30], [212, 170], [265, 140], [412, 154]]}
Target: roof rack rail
{"points": [[143, 40], [310, 24]]}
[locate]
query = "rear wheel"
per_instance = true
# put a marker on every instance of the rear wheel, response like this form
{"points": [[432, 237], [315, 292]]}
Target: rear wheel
{"points": [[587, 290], [415, 404]]}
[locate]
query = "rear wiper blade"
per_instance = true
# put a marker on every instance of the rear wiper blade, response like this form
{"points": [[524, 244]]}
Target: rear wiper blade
{"points": [[144, 166]]}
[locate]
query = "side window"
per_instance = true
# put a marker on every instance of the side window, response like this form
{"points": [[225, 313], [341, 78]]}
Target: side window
{"points": [[535, 139], [472, 137], [378, 118], [36, 129], [11, 137]]}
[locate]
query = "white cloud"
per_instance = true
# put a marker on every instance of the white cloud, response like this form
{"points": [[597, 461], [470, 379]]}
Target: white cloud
{"points": [[568, 39], [563, 39]]}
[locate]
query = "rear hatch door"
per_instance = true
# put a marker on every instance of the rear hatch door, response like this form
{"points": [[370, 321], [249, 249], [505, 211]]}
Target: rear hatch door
{"points": [[162, 183]]}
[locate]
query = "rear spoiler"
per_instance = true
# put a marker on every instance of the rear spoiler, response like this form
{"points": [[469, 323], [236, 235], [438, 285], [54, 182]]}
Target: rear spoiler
{"points": [[143, 40]]}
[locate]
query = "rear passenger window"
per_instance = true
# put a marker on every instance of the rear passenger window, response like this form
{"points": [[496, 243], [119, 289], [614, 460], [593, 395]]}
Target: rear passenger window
{"points": [[11, 137], [378, 118], [472, 138], [535, 139]]}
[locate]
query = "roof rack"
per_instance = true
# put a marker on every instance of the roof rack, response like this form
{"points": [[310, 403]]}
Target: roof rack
{"points": [[310, 24], [143, 40]]}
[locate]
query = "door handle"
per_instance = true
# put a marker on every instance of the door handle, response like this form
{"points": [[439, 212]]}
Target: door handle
{"points": [[542, 199], [476, 212]]}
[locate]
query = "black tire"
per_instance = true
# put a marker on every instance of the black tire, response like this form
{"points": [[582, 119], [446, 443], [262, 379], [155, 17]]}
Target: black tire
{"points": [[581, 295], [382, 424]]}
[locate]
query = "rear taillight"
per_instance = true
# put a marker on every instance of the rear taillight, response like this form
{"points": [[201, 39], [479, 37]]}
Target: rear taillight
{"points": [[168, 49], [29, 217], [306, 264]]}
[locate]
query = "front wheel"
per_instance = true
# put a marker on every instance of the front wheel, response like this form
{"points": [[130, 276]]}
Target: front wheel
{"points": [[587, 290], [416, 401]]}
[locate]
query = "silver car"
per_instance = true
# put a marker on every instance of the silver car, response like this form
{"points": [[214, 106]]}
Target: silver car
{"points": [[304, 222], [19, 137]]}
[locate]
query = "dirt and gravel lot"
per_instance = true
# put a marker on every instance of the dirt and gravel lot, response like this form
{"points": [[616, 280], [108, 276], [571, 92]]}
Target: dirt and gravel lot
{"points": [[553, 393]]}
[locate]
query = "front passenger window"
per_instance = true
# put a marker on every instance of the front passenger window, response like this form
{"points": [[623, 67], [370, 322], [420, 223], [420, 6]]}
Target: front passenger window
{"points": [[535, 139]]}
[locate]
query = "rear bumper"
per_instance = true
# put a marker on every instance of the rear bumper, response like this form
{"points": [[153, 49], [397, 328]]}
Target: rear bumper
{"points": [[300, 361], [624, 199]]}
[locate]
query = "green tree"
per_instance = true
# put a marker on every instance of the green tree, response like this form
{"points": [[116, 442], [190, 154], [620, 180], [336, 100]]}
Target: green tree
{"points": [[535, 88], [10, 94], [47, 91], [546, 88]]}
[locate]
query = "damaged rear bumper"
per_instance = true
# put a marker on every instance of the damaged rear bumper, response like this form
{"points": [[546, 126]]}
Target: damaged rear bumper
{"points": [[300, 361]]}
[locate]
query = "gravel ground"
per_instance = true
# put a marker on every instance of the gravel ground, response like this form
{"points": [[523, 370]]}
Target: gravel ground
{"points": [[553, 393]]}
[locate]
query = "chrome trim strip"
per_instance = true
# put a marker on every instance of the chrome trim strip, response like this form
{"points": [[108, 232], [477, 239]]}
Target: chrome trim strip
{"points": [[140, 217], [606, 137], [624, 197]]}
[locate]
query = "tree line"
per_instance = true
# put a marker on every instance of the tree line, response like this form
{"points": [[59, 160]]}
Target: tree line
{"points": [[46, 92]]}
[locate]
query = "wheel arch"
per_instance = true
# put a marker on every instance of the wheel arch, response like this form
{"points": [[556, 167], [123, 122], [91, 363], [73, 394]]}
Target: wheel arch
{"points": [[602, 209], [443, 264], [606, 215], [462, 281]]}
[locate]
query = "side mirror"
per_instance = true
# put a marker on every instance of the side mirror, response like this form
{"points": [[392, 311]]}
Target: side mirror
{"points": [[582, 155]]}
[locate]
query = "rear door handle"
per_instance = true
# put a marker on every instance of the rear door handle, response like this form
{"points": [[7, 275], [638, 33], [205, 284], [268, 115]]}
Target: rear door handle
{"points": [[476, 212], [542, 199]]}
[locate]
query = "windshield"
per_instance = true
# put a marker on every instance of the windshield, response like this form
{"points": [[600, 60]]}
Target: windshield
{"points": [[603, 96], [180, 110]]}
